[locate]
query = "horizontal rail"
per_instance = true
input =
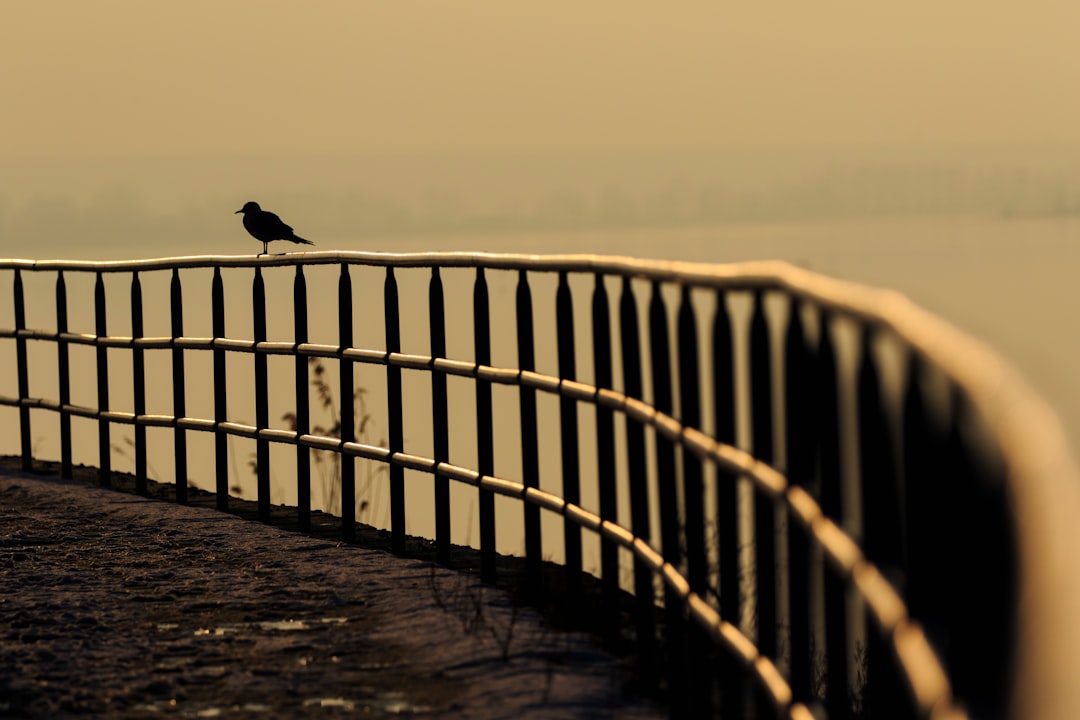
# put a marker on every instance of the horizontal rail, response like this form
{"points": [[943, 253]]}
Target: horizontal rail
{"points": [[863, 302]]}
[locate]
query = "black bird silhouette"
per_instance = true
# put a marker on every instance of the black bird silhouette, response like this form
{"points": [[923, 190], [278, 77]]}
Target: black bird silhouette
{"points": [[267, 226]]}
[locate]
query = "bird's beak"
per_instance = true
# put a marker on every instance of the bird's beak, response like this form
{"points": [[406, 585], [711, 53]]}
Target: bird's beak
{"points": [[238, 212]]}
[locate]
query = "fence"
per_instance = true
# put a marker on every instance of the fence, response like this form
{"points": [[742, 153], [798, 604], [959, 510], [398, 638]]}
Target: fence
{"points": [[820, 498]]}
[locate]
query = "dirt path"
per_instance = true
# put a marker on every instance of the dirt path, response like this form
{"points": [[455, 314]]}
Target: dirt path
{"points": [[115, 605]]}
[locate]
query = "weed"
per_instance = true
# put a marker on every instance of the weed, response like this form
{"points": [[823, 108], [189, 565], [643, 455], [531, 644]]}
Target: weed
{"points": [[327, 462]]}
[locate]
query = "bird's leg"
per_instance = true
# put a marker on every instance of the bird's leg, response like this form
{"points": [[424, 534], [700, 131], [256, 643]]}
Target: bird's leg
{"points": [[265, 244]]}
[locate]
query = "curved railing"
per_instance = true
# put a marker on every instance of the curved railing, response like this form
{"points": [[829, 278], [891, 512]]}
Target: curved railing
{"points": [[849, 506]]}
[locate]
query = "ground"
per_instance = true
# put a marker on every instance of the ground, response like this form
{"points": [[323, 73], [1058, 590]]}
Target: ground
{"points": [[122, 606]]}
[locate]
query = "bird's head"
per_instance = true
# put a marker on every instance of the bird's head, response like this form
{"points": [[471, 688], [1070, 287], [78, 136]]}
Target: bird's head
{"points": [[249, 207]]}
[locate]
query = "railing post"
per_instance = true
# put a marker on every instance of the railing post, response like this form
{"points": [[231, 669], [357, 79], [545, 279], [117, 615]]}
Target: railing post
{"points": [[698, 646], [974, 572], [883, 530], [64, 370], [882, 524], [262, 400], [484, 427], [668, 491], [568, 425], [918, 454], [104, 444], [303, 407], [732, 684], [644, 587], [439, 416], [24, 374], [800, 426], [690, 410], [945, 513], [530, 453], [837, 698], [394, 411], [348, 414], [176, 300], [221, 407], [138, 369], [605, 452], [761, 396]]}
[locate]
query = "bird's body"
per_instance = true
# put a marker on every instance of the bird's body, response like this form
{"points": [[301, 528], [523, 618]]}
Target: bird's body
{"points": [[266, 226]]}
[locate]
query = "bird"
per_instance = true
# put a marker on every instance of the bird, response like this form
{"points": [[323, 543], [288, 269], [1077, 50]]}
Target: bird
{"points": [[266, 226]]}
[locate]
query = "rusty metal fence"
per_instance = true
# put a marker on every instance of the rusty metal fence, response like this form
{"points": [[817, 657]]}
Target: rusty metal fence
{"points": [[803, 537]]}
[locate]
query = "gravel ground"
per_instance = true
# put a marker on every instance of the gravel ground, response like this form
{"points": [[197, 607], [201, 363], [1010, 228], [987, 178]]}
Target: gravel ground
{"points": [[113, 605]]}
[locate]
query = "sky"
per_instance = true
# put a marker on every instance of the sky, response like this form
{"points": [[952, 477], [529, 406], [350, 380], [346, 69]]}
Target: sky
{"points": [[132, 129], [131, 78]]}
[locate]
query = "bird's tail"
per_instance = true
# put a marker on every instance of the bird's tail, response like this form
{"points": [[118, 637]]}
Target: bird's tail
{"points": [[300, 240]]}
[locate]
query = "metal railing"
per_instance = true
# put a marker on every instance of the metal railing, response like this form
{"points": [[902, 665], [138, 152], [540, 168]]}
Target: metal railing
{"points": [[882, 549]]}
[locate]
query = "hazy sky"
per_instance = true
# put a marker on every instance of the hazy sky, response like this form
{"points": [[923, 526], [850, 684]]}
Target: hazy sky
{"points": [[133, 77]]}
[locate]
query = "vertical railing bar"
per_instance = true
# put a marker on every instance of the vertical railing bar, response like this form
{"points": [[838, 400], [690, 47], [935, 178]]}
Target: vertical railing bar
{"points": [[800, 426], [882, 523], [690, 410], [24, 374], [530, 454], [221, 447], [605, 451], [485, 449], [699, 649], [882, 502], [104, 430], [836, 636], [973, 573], [918, 455], [663, 401], [64, 370], [568, 425], [732, 681], [262, 400], [346, 385], [439, 416], [138, 371], [394, 412], [644, 588], [667, 482], [303, 406], [176, 300], [966, 553], [761, 396]]}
